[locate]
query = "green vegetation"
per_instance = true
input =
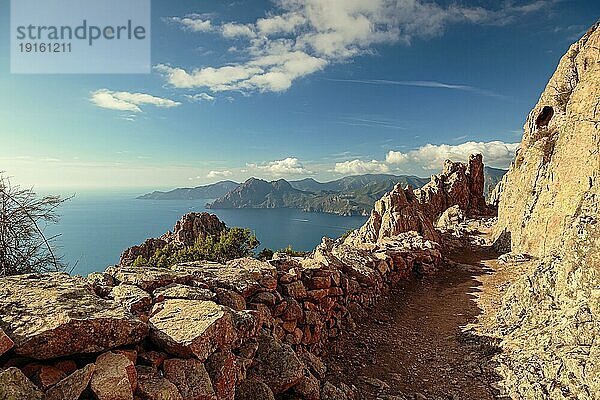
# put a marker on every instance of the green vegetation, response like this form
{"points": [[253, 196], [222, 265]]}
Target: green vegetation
{"points": [[230, 244], [267, 254]]}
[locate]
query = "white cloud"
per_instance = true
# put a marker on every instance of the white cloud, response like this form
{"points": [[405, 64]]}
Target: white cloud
{"points": [[320, 32], [431, 157], [126, 101], [288, 166], [359, 167], [193, 23], [219, 174], [231, 30], [200, 97]]}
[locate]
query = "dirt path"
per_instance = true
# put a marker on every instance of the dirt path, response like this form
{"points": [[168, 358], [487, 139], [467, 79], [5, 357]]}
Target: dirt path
{"points": [[414, 343]]}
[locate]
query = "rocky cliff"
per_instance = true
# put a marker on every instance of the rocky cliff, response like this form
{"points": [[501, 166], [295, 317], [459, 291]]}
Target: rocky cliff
{"points": [[184, 233], [549, 208], [405, 209]]}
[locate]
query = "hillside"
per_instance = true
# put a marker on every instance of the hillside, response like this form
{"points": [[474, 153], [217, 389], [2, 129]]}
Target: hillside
{"points": [[347, 196], [213, 191]]}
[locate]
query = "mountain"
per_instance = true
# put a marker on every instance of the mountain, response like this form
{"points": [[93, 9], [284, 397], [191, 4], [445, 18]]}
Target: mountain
{"points": [[492, 177], [354, 195], [356, 182], [213, 191]]}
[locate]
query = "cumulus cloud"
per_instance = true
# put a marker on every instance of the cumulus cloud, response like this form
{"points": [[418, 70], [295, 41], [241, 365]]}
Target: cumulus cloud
{"points": [[219, 174], [231, 30], [200, 97], [194, 23], [126, 101], [316, 33], [288, 166], [431, 157], [359, 167]]}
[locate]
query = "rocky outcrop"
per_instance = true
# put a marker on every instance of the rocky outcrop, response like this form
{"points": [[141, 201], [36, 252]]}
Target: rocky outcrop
{"points": [[186, 231], [405, 209], [549, 208], [55, 315]]}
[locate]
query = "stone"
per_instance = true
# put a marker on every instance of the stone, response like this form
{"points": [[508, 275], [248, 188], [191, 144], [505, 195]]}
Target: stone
{"points": [[54, 315], [231, 299], [71, 387], [101, 283], [15, 386], [276, 364], [152, 386], [308, 388], [450, 218], [178, 291], [66, 366], [188, 328], [6, 343], [114, 377], [223, 370], [191, 379], [245, 276], [253, 389], [47, 376], [147, 278], [313, 363], [131, 297], [152, 358]]}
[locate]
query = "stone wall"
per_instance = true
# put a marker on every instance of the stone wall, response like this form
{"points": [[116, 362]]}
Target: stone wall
{"points": [[245, 330]]}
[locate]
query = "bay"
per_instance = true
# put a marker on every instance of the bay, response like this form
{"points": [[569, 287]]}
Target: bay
{"points": [[95, 228]]}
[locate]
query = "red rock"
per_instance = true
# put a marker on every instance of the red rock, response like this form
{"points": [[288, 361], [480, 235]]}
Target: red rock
{"points": [[71, 387], [114, 378], [190, 377]]}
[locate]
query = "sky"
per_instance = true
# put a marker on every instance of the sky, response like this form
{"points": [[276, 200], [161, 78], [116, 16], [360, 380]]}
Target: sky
{"points": [[291, 89]]}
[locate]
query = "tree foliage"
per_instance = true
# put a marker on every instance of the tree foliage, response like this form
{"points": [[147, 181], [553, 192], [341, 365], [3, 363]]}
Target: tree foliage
{"points": [[230, 244], [23, 215]]}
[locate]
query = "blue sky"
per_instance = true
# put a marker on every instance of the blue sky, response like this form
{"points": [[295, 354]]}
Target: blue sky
{"points": [[289, 89]]}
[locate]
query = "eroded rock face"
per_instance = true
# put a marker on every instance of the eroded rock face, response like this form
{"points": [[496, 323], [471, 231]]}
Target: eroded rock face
{"points": [[186, 231], [404, 210], [558, 162], [188, 328], [54, 315], [549, 208]]}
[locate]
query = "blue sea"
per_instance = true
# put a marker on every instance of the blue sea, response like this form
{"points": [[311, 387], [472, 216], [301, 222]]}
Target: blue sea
{"points": [[95, 228]]}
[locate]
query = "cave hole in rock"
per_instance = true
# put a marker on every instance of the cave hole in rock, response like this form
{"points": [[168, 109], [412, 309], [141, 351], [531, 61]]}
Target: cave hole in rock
{"points": [[544, 118]]}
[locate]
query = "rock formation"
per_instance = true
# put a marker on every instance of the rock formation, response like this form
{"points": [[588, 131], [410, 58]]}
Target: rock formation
{"points": [[185, 233], [549, 208], [404, 210]]}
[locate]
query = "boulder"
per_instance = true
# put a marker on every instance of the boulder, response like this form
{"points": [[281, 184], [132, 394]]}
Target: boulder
{"points": [[15, 386], [178, 291], [253, 389], [451, 218], [47, 376], [245, 276], [223, 370], [114, 377], [191, 379], [71, 387], [188, 328], [131, 297], [55, 315], [6, 343], [152, 386], [276, 364], [147, 278]]}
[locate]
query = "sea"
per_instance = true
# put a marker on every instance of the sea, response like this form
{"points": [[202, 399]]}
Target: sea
{"points": [[95, 227]]}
